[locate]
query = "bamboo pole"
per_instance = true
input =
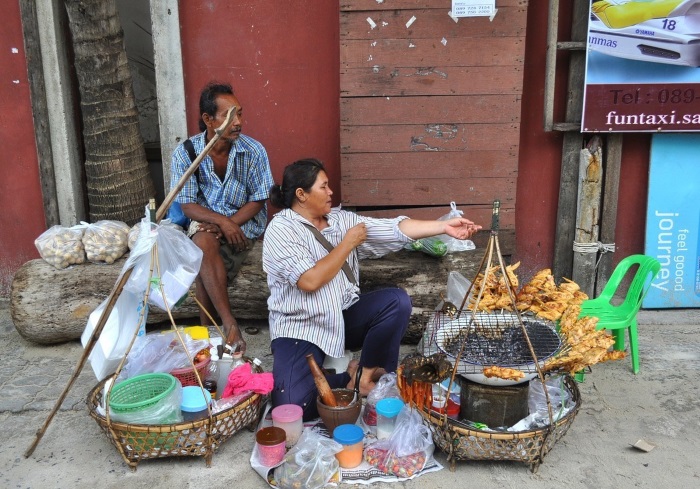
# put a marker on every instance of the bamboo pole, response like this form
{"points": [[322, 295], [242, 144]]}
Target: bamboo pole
{"points": [[117, 290]]}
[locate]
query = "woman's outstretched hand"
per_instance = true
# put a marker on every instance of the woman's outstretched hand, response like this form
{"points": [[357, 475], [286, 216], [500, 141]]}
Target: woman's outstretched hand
{"points": [[460, 228]]}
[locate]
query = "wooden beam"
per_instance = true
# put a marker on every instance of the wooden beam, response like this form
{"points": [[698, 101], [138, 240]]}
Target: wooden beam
{"points": [[588, 215], [608, 222], [40, 111], [571, 147]]}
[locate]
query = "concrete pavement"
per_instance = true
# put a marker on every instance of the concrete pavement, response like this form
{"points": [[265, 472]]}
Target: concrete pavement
{"points": [[660, 405]]}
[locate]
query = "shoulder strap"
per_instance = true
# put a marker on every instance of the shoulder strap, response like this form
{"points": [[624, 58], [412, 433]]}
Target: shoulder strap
{"points": [[319, 237], [189, 147]]}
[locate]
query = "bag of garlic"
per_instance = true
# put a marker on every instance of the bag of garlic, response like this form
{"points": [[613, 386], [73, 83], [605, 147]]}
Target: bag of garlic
{"points": [[105, 241], [61, 246]]}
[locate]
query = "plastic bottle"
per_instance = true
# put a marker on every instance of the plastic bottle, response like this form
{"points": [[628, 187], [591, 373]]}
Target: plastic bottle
{"points": [[224, 368], [237, 360]]}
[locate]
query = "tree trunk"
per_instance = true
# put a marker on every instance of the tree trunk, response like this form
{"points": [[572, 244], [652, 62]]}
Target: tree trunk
{"points": [[118, 182]]}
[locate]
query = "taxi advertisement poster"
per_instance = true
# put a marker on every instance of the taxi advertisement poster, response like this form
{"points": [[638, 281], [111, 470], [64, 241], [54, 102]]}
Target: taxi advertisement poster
{"points": [[643, 66]]}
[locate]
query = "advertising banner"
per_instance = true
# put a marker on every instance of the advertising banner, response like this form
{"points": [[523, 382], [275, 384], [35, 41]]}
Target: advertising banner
{"points": [[673, 221], [642, 64]]}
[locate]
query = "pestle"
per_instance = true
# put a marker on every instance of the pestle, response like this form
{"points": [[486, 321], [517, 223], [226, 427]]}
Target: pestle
{"points": [[324, 390]]}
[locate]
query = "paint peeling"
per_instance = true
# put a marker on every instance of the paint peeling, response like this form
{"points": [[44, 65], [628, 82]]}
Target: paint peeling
{"points": [[16, 82], [444, 41], [417, 144], [370, 58], [14, 50], [428, 72], [373, 44], [384, 24], [442, 131], [371, 23], [382, 1], [411, 45], [410, 21], [453, 17]]}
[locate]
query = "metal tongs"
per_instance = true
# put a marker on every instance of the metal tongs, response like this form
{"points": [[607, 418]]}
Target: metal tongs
{"points": [[358, 374]]}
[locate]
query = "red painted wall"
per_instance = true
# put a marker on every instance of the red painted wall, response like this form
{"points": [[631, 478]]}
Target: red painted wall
{"points": [[22, 216], [539, 167], [282, 59]]}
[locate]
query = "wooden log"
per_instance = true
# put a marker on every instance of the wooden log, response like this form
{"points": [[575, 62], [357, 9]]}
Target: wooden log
{"points": [[52, 306]]}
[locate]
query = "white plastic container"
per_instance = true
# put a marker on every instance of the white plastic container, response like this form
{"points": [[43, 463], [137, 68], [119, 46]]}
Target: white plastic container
{"points": [[387, 410], [289, 418]]}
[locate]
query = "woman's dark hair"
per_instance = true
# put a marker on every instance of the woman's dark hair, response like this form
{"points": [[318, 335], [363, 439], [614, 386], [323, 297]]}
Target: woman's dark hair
{"points": [[207, 100], [300, 174]]}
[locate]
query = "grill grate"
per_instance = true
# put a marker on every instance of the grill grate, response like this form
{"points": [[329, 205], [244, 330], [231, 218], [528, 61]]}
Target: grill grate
{"points": [[490, 339]]}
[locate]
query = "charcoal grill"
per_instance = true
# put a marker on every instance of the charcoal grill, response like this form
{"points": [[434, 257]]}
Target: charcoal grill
{"points": [[495, 339]]}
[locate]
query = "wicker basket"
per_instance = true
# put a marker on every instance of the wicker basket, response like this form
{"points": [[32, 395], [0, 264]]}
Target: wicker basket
{"points": [[529, 447], [186, 375], [199, 438]]}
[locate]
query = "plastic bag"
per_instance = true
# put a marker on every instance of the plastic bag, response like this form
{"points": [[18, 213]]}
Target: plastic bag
{"points": [[125, 319], [310, 464], [452, 243], [105, 241], [61, 246], [406, 451], [165, 411], [160, 352], [433, 246], [385, 387], [178, 263], [559, 397], [176, 216]]}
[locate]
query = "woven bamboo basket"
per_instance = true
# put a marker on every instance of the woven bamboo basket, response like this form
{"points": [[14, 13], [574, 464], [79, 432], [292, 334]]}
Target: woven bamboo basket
{"points": [[201, 438], [529, 447]]}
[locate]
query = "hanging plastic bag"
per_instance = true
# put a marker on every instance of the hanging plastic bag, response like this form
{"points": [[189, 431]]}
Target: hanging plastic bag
{"points": [[125, 319], [433, 246], [454, 244], [105, 241], [385, 387], [128, 316], [405, 453], [310, 464], [177, 263], [61, 246]]}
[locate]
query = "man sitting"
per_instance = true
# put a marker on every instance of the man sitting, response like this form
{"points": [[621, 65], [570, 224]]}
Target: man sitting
{"points": [[225, 199]]}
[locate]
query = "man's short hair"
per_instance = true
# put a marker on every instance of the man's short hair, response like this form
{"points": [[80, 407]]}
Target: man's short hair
{"points": [[207, 100]]}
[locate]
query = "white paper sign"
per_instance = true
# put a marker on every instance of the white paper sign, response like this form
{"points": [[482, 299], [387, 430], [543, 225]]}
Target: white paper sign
{"points": [[473, 8]]}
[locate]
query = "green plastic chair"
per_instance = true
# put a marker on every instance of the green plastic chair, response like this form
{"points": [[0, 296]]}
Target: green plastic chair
{"points": [[621, 317]]}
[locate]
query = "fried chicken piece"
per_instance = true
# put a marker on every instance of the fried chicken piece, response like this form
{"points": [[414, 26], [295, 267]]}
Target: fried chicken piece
{"points": [[503, 373]]}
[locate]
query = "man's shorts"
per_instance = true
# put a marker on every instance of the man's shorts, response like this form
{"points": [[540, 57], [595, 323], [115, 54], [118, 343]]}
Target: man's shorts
{"points": [[233, 259]]}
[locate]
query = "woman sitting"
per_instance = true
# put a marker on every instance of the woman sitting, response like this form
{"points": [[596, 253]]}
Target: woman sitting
{"points": [[315, 303]]}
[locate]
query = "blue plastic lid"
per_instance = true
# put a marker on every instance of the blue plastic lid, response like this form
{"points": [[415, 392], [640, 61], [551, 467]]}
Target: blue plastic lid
{"points": [[389, 407], [194, 399], [348, 434]]}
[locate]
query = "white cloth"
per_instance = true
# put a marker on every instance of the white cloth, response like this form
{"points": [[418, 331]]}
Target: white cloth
{"points": [[290, 249]]}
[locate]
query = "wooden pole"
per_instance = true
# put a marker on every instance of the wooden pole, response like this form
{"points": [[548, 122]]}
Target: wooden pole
{"points": [[116, 292], [608, 219], [588, 216]]}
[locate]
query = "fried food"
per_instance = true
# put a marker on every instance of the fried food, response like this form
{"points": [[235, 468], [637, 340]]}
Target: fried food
{"points": [[503, 373]]}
